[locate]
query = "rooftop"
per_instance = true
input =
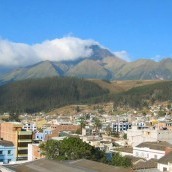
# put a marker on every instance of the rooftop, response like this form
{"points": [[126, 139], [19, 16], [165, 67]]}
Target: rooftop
{"points": [[125, 149], [165, 159], [82, 165], [145, 165], [6, 143], [155, 145]]}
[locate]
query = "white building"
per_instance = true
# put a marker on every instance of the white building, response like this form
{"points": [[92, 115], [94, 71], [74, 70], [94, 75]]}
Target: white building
{"points": [[121, 126], [151, 150], [136, 136], [30, 126], [165, 163]]}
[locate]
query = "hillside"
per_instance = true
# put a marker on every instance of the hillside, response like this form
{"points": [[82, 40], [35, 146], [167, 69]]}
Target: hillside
{"points": [[121, 86], [144, 96], [101, 64], [34, 95]]}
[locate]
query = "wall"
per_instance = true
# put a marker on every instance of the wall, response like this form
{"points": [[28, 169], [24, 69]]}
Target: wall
{"points": [[147, 153]]}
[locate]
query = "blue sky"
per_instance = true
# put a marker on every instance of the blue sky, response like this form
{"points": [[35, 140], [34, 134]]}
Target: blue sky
{"points": [[141, 28]]}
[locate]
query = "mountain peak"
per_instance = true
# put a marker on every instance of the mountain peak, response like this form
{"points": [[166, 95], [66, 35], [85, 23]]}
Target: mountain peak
{"points": [[98, 53]]}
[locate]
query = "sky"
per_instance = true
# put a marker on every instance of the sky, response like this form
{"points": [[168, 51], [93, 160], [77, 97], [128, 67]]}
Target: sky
{"points": [[33, 30]]}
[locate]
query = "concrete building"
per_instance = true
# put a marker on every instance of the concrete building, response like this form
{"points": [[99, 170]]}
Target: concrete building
{"points": [[136, 136], [165, 163], [121, 126], [30, 126], [7, 152], [34, 152], [12, 131], [151, 150], [42, 135]]}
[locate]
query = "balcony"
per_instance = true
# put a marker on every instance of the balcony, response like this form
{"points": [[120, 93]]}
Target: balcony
{"points": [[22, 148], [25, 133], [24, 140], [22, 155]]}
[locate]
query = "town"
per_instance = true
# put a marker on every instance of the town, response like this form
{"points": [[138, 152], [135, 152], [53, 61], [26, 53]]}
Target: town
{"points": [[143, 136]]}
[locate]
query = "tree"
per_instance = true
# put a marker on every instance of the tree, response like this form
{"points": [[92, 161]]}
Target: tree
{"points": [[125, 136], [119, 160], [108, 130], [50, 149], [97, 124], [71, 148]]}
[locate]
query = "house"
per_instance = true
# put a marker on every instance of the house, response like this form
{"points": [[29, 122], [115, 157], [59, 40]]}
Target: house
{"points": [[151, 150], [121, 126], [165, 163], [30, 126], [34, 152], [7, 152], [136, 136], [42, 135]]}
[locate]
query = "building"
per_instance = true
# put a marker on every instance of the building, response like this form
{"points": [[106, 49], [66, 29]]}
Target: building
{"points": [[121, 126], [42, 135], [136, 136], [165, 163], [7, 152], [30, 126], [34, 152], [45, 165], [12, 131], [151, 150]]}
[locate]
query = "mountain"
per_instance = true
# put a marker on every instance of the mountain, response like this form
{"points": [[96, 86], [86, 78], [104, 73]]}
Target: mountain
{"points": [[33, 95], [101, 64]]}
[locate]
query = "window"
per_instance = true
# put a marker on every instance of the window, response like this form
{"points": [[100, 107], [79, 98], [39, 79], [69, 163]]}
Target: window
{"points": [[9, 151], [1, 160], [164, 169], [1, 152], [147, 155]]}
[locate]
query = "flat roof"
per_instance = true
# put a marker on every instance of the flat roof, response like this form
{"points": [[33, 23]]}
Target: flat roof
{"points": [[82, 165]]}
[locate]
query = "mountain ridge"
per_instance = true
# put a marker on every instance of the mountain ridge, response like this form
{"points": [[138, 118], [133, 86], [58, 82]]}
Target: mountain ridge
{"points": [[102, 64]]}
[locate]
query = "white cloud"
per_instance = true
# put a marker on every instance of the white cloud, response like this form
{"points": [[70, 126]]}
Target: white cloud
{"points": [[157, 58], [123, 55], [67, 48]]}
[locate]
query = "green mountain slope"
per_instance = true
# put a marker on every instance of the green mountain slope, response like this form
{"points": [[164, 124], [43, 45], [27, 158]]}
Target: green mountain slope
{"points": [[34, 95], [144, 96]]}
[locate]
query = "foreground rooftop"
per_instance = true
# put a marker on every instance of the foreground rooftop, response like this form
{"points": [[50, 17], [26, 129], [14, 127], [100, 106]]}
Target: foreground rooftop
{"points": [[82, 165]]}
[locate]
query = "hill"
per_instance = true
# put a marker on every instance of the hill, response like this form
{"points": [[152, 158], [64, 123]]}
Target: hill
{"points": [[121, 86], [35, 95], [144, 96], [101, 64]]}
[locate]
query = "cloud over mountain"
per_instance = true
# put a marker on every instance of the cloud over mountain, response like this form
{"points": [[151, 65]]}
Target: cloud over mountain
{"points": [[123, 55], [66, 48]]}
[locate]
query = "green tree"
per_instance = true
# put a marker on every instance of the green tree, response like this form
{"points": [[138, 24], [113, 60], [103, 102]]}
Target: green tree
{"points": [[50, 149], [125, 136], [97, 124], [71, 148], [119, 160]]}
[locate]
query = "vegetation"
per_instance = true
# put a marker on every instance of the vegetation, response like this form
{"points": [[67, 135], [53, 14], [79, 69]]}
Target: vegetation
{"points": [[70, 149], [144, 96], [35, 95], [74, 148], [119, 160]]}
